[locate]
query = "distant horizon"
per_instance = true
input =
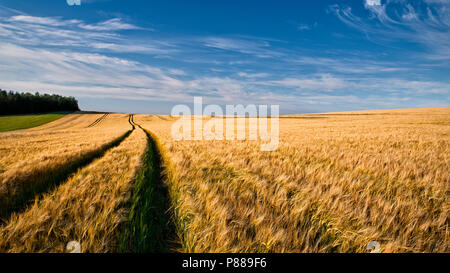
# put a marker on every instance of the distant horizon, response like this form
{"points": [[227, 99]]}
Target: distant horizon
{"points": [[167, 110], [315, 113]]}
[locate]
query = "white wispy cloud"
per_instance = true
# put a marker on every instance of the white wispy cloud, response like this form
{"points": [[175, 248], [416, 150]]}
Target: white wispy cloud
{"points": [[55, 31], [100, 76], [253, 75], [74, 57], [423, 22], [48, 21], [109, 25], [254, 46], [350, 65], [96, 75], [373, 2], [324, 82], [302, 27]]}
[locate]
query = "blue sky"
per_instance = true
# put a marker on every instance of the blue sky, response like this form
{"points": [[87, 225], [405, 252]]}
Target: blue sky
{"points": [[306, 56]]}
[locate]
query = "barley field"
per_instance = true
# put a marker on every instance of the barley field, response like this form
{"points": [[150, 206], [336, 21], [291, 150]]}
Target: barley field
{"points": [[336, 182], [89, 206], [122, 183], [32, 160]]}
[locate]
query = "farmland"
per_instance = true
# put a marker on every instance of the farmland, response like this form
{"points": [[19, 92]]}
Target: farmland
{"points": [[35, 160], [121, 183], [17, 122], [337, 182]]}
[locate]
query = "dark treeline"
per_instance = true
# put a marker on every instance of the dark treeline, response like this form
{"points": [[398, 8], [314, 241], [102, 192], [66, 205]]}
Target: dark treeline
{"points": [[27, 103]]}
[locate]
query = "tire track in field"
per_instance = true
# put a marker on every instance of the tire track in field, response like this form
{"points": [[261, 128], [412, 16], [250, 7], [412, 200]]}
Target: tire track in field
{"points": [[97, 121], [16, 199], [150, 225]]}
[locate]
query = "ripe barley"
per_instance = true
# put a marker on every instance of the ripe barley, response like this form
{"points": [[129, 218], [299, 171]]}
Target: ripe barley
{"points": [[336, 182], [88, 208], [30, 159]]}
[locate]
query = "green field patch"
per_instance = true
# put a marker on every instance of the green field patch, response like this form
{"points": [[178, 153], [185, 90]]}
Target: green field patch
{"points": [[17, 122]]}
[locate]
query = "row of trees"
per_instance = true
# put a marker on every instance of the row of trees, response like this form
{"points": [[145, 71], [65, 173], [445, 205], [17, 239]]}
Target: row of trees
{"points": [[25, 103]]}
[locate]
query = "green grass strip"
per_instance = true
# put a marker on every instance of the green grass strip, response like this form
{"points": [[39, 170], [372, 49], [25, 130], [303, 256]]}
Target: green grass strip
{"points": [[149, 228], [18, 122]]}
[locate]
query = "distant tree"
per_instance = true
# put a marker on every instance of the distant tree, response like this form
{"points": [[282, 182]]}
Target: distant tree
{"points": [[27, 103]]}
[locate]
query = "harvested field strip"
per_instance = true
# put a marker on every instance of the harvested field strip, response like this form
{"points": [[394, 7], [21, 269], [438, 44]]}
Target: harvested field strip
{"points": [[72, 121], [68, 119], [149, 229], [98, 120], [294, 117], [164, 118], [161, 117], [57, 123], [17, 192], [90, 207]]}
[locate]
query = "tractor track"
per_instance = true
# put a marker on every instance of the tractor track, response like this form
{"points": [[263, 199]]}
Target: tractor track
{"points": [[97, 121], [149, 228], [150, 225]]}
